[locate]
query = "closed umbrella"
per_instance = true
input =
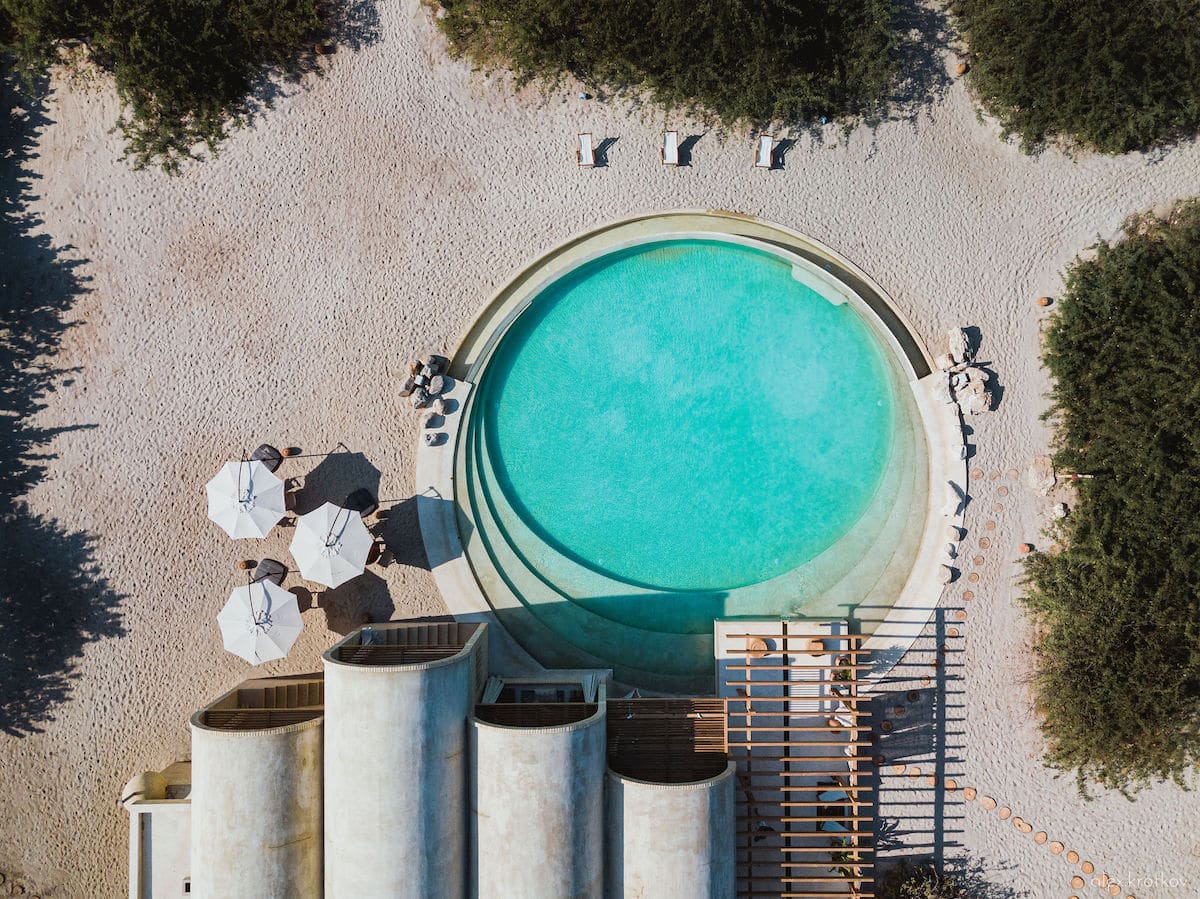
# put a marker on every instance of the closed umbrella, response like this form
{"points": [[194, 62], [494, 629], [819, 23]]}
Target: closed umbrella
{"points": [[331, 545], [245, 499], [260, 622]]}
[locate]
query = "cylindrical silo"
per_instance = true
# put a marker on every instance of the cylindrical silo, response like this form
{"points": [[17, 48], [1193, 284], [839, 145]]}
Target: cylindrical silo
{"points": [[668, 840], [537, 823], [256, 811], [396, 763]]}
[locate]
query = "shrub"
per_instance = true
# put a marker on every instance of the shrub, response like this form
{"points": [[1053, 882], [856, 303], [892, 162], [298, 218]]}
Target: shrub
{"points": [[186, 70], [1111, 75], [756, 60], [907, 881], [1118, 655]]}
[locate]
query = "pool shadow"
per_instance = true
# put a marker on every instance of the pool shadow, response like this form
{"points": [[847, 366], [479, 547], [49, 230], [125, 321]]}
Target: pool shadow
{"points": [[667, 612]]}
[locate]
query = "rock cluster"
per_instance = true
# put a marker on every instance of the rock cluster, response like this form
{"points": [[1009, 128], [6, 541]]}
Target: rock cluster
{"points": [[426, 380], [966, 382]]}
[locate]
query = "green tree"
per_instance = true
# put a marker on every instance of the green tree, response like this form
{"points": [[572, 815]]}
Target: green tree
{"points": [[742, 60], [1105, 74], [1118, 609], [186, 70]]}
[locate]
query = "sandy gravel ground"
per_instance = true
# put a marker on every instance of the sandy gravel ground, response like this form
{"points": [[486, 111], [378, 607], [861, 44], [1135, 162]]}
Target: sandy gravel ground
{"points": [[276, 293]]}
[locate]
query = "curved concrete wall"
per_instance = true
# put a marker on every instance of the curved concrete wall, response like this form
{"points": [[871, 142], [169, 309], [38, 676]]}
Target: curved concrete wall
{"points": [[256, 812], [537, 800], [669, 840], [396, 779]]}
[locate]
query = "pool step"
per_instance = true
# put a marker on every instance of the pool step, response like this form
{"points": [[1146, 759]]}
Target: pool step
{"points": [[554, 630]]}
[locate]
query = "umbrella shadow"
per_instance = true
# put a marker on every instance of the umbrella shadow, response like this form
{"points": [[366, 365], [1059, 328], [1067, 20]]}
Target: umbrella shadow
{"points": [[338, 474], [54, 599], [361, 600], [401, 533]]}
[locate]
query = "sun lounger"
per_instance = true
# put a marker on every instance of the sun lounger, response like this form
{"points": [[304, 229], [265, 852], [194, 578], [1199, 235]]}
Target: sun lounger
{"points": [[763, 159], [585, 155], [670, 148]]}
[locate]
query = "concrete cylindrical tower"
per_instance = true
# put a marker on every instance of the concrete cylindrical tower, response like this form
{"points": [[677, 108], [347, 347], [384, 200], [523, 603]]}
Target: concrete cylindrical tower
{"points": [[256, 811], [396, 775], [537, 823], [667, 840]]}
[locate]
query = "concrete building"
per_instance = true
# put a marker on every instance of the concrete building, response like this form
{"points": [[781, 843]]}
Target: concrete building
{"points": [[388, 797], [405, 770]]}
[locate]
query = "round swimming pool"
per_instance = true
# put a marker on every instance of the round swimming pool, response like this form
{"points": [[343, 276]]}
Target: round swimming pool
{"points": [[679, 430]]}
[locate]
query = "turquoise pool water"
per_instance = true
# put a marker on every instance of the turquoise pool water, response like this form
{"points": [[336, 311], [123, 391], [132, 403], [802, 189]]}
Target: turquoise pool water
{"points": [[677, 431]]}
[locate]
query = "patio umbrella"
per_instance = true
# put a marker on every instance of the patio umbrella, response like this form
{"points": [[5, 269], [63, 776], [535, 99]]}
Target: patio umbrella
{"points": [[260, 622], [331, 545], [245, 499]]}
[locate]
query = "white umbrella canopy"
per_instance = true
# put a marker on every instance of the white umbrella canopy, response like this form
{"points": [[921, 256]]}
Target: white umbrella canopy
{"points": [[245, 499], [331, 545], [260, 622]]}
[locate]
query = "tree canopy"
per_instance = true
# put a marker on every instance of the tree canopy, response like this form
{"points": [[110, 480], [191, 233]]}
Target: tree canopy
{"points": [[752, 60], [1110, 75], [1118, 654], [186, 70]]}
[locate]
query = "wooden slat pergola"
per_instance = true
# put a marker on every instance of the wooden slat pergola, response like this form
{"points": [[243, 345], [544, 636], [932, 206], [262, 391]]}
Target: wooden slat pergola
{"points": [[798, 732]]}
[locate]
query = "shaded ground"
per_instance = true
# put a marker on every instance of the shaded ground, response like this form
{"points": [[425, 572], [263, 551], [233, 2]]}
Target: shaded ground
{"points": [[53, 600]]}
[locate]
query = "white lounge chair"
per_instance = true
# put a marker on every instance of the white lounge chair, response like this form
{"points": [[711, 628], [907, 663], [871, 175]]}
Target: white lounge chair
{"points": [[670, 148], [585, 154], [763, 159]]}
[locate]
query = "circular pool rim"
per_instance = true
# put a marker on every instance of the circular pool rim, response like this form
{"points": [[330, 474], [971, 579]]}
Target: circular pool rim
{"points": [[437, 466]]}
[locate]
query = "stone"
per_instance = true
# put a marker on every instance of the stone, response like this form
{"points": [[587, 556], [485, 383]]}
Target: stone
{"points": [[954, 533], [439, 406], [432, 438], [408, 386], [420, 398], [951, 550], [430, 419], [1060, 510], [437, 385], [1040, 475], [959, 380], [1044, 301], [949, 573], [958, 345], [975, 373], [414, 367], [944, 362], [962, 68]]}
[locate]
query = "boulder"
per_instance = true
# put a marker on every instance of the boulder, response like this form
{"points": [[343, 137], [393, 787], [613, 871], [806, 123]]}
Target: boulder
{"points": [[1060, 510], [436, 364], [437, 385], [408, 386], [420, 398], [958, 345], [1040, 475], [954, 533], [439, 406], [944, 362], [949, 573]]}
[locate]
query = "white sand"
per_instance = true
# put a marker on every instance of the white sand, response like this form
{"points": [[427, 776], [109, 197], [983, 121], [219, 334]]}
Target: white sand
{"points": [[277, 292]]}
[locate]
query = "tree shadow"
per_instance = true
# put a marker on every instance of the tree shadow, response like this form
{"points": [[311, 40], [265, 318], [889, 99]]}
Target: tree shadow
{"points": [[924, 33], [53, 598]]}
